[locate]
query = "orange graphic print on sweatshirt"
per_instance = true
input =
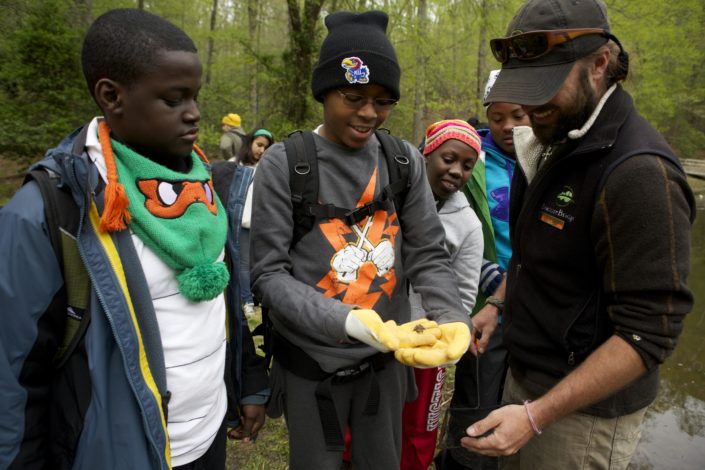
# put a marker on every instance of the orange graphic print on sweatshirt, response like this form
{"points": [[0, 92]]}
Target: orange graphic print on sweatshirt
{"points": [[362, 268]]}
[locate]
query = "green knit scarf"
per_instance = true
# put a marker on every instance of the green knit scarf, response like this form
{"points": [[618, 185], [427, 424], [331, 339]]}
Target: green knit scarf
{"points": [[179, 217]]}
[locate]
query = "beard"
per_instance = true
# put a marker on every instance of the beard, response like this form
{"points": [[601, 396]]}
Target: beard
{"points": [[569, 118]]}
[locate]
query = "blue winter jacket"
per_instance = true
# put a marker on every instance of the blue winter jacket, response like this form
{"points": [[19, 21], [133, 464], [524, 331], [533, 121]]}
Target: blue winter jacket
{"points": [[104, 408]]}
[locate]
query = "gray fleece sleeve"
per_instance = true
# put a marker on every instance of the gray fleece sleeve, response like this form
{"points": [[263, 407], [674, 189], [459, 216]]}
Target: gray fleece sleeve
{"points": [[641, 228], [426, 262], [293, 304]]}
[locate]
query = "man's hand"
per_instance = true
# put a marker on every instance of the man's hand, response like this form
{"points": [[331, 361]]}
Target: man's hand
{"points": [[485, 324], [251, 422], [509, 430], [367, 326], [451, 345]]}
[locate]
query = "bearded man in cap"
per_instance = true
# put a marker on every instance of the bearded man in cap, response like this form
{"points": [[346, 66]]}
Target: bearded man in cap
{"points": [[600, 218]]}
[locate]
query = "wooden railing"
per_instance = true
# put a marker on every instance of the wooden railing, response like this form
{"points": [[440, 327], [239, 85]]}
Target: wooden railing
{"points": [[694, 167]]}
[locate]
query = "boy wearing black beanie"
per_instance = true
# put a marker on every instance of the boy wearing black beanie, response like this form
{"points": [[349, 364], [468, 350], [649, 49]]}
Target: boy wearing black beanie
{"points": [[337, 295]]}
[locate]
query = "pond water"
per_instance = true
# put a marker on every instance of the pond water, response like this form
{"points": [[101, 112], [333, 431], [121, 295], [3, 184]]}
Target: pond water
{"points": [[673, 435]]}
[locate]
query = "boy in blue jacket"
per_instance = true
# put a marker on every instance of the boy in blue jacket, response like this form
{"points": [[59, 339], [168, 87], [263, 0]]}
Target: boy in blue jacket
{"points": [[158, 366]]}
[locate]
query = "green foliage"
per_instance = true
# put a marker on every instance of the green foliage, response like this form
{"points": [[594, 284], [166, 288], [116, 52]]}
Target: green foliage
{"points": [[256, 69], [43, 92], [666, 67]]}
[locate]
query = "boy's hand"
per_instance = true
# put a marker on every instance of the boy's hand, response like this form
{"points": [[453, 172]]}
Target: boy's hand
{"points": [[367, 326], [454, 340], [485, 323], [251, 422]]}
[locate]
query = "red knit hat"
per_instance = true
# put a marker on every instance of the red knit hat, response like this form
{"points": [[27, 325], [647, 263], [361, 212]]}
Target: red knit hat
{"points": [[440, 131]]}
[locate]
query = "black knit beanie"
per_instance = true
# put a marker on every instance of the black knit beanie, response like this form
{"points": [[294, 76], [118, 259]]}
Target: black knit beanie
{"points": [[356, 51]]}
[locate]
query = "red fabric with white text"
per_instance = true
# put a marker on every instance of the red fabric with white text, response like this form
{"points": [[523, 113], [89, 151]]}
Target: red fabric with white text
{"points": [[420, 420]]}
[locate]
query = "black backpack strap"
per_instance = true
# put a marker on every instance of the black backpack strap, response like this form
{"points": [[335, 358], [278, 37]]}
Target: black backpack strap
{"points": [[53, 199], [303, 179], [63, 220], [398, 166], [298, 362]]}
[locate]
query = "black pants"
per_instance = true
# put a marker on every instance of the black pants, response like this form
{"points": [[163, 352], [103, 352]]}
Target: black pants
{"points": [[213, 459]]}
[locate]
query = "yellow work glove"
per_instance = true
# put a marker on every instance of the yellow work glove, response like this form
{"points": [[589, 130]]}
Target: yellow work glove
{"points": [[451, 345], [418, 333], [366, 326]]}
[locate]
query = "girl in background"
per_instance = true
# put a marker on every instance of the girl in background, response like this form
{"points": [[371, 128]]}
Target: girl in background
{"points": [[241, 172], [488, 194], [451, 149]]}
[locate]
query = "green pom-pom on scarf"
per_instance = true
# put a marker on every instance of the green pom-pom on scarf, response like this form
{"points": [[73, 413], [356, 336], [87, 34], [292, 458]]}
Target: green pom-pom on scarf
{"points": [[203, 281]]}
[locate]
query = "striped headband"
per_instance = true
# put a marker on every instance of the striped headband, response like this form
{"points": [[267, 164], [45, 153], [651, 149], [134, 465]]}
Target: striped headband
{"points": [[440, 131]]}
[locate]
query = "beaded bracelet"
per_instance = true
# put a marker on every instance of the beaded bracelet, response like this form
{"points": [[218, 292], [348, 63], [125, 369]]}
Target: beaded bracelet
{"points": [[536, 429], [496, 301]]}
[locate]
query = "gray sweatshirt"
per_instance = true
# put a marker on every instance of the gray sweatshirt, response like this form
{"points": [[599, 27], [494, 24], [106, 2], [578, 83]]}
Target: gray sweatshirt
{"points": [[464, 244], [310, 288]]}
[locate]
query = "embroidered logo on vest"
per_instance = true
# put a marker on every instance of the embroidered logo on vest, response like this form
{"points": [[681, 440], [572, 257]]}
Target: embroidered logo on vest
{"points": [[565, 197]]}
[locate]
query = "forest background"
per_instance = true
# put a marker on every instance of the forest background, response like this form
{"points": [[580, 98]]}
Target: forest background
{"points": [[258, 56]]}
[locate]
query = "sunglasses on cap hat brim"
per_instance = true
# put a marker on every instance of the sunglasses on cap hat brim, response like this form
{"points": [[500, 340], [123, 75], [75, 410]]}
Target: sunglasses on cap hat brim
{"points": [[536, 44]]}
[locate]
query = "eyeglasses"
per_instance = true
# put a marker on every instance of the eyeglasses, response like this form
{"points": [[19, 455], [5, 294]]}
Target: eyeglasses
{"points": [[535, 44], [351, 100]]}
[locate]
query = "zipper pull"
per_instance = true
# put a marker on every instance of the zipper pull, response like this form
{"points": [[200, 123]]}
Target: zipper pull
{"points": [[571, 358]]}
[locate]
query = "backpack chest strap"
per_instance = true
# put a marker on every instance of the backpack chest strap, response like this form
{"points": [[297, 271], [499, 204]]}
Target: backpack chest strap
{"points": [[301, 153], [350, 216]]}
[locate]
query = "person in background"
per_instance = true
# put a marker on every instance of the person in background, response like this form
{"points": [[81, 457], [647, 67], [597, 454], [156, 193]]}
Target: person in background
{"points": [[476, 123], [488, 193], [165, 362], [254, 145], [451, 150], [600, 218], [233, 136], [225, 174]]}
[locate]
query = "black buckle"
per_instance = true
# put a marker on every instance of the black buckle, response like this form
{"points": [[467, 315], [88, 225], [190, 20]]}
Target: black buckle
{"points": [[352, 371], [355, 216]]}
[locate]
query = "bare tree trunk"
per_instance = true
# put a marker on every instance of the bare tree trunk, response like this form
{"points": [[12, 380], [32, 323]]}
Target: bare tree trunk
{"points": [[140, 4], [302, 41], [481, 57], [209, 51], [85, 12], [252, 21], [420, 75]]}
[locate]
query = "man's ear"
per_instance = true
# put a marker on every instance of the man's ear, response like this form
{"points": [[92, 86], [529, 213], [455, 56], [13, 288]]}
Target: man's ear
{"points": [[108, 95], [599, 64]]}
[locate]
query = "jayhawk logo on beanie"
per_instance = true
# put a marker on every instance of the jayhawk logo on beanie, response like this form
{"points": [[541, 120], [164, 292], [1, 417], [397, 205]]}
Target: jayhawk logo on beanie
{"points": [[355, 70]]}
